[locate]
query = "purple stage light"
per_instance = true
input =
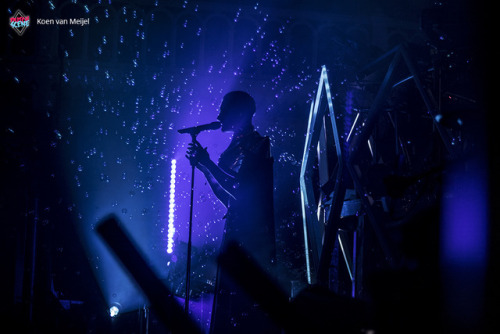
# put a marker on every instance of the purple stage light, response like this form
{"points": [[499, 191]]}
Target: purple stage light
{"points": [[464, 229], [464, 243]]}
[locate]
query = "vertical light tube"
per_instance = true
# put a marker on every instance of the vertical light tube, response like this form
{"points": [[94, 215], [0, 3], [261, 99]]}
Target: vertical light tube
{"points": [[171, 208]]}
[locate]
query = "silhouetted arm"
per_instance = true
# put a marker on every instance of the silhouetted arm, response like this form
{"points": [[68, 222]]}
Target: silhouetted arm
{"points": [[224, 195], [221, 183]]}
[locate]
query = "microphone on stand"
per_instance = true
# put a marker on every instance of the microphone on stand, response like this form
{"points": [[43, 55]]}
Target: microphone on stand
{"points": [[194, 130]]}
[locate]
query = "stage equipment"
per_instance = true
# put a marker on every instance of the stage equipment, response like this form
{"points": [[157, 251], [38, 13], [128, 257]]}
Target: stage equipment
{"points": [[322, 212], [193, 131], [171, 207], [400, 56], [316, 213], [114, 310], [330, 167]]}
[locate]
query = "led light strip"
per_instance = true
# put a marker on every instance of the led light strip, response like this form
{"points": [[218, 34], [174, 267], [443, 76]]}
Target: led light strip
{"points": [[171, 208]]}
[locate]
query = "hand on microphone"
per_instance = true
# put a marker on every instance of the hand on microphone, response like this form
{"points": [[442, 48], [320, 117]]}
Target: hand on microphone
{"points": [[197, 155]]}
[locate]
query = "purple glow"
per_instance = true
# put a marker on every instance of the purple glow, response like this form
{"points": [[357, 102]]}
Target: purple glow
{"points": [[464, 225], [464, 243]]}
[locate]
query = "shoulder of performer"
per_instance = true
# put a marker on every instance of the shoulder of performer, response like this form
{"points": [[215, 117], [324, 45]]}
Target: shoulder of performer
{"points": [[259, 145]]}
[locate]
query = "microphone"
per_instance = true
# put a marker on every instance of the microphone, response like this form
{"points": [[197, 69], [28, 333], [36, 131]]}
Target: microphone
{"points": [[194, 130]]}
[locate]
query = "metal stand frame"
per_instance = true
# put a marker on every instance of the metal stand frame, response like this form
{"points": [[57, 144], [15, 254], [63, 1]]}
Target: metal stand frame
{"points": [[321, 218], [316, 252], [189, 244]]}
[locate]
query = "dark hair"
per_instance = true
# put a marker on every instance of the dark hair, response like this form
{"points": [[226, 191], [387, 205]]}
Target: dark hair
{"points": [[239, 101]]}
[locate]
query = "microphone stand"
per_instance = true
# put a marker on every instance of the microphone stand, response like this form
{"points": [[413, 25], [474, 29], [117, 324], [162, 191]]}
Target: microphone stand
{"points": [[189, 245], [193, 131]]}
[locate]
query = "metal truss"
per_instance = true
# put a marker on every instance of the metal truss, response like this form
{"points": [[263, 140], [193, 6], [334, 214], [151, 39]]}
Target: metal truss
{"points": [[323, 208], [317, 214]]}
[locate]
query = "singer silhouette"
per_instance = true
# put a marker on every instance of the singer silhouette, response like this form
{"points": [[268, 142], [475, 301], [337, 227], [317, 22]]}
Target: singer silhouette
{"points": [[243, 181]]}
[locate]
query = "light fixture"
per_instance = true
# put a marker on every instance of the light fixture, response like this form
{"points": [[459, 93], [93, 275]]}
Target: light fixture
{"points": [[171, 207], [114, 310]]}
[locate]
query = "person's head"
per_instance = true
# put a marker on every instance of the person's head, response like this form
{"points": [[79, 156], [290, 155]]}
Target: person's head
{"points": [[236, 111]]}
